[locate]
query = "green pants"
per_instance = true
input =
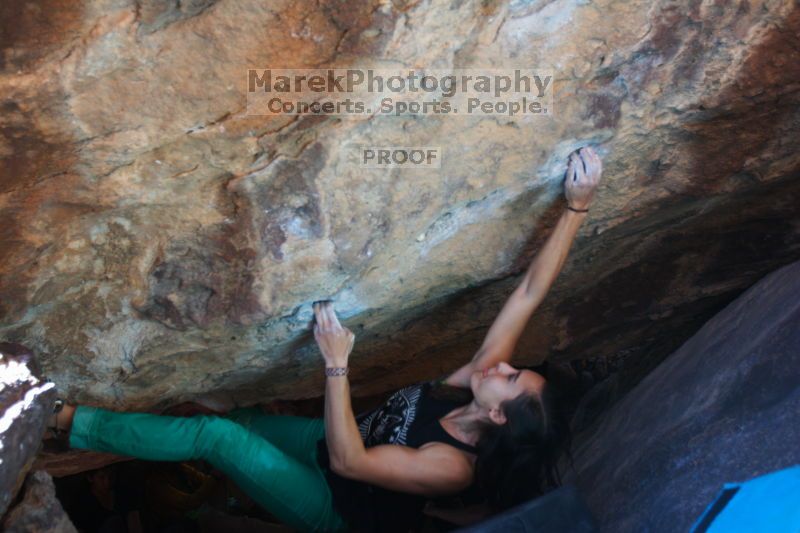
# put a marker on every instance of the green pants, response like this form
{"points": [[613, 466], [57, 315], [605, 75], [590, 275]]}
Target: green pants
{"points": [[271, 458]]}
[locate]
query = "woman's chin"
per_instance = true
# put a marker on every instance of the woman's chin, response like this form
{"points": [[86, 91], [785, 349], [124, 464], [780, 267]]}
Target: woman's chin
{"points": [[474, 379]]}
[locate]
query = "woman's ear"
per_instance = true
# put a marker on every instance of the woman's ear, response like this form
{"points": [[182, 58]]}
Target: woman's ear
{"points": [[497, 416]]}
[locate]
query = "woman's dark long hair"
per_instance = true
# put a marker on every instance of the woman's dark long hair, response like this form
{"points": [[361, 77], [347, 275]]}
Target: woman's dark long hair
{"points": [[518, 460]]}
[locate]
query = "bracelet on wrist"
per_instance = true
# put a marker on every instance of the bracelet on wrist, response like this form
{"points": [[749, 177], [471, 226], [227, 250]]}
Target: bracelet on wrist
{"points": [[577, 210], [336, 371]]}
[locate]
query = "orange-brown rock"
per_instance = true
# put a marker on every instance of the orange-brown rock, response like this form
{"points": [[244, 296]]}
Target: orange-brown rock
{"points": [[158, 242]]}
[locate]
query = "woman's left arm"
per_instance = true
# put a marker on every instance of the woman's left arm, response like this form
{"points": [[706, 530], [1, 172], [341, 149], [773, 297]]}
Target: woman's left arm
{"points": [[435, 470], [341, 432]]}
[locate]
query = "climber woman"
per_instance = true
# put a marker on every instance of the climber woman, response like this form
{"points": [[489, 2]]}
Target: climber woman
{"points": [[375, 471]]}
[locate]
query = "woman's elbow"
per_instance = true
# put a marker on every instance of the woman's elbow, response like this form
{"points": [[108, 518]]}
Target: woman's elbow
{"points": [[337, 465], [343, 466]]}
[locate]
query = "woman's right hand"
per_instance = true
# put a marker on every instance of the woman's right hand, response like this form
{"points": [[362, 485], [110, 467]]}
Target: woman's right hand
{"points": [[583, 175]]}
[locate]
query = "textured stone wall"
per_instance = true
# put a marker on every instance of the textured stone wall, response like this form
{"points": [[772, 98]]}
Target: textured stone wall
{"points": [[159, 243], [723, 408]]}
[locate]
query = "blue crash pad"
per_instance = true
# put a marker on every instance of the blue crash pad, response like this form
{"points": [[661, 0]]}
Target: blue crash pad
{"points": [[770, 503]]}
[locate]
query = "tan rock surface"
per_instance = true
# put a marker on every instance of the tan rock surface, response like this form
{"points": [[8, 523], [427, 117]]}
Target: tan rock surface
{"points": [[160, 243]]}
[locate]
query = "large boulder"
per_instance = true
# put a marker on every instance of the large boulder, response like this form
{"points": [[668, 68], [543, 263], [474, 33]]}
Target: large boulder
{"points": [[26, 403], [159, 242], [725, 407]]}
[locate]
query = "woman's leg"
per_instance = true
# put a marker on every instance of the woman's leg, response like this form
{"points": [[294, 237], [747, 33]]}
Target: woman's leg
{"points": [[295, 492], [294, 435]]}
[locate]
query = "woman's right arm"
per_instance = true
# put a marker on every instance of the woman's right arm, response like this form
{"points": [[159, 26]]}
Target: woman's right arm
{"points": [[583, 174]]}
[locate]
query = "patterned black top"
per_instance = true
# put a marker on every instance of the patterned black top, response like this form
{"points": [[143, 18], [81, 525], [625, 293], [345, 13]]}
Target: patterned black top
{"points": [[409, 417]]}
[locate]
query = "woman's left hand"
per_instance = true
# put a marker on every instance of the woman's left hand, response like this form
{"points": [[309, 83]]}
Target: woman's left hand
{"points": [[334, 340]]}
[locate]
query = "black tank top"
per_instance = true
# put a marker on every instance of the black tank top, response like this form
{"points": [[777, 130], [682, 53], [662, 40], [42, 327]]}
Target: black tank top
{"points": [[409, 417]]}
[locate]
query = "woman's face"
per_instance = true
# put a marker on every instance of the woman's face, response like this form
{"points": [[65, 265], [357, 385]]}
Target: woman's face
{"points": [[502, 382]]}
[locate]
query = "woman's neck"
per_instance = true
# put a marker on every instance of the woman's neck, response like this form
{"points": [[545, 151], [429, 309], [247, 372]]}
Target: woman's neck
{"points": [[467, 421]]}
